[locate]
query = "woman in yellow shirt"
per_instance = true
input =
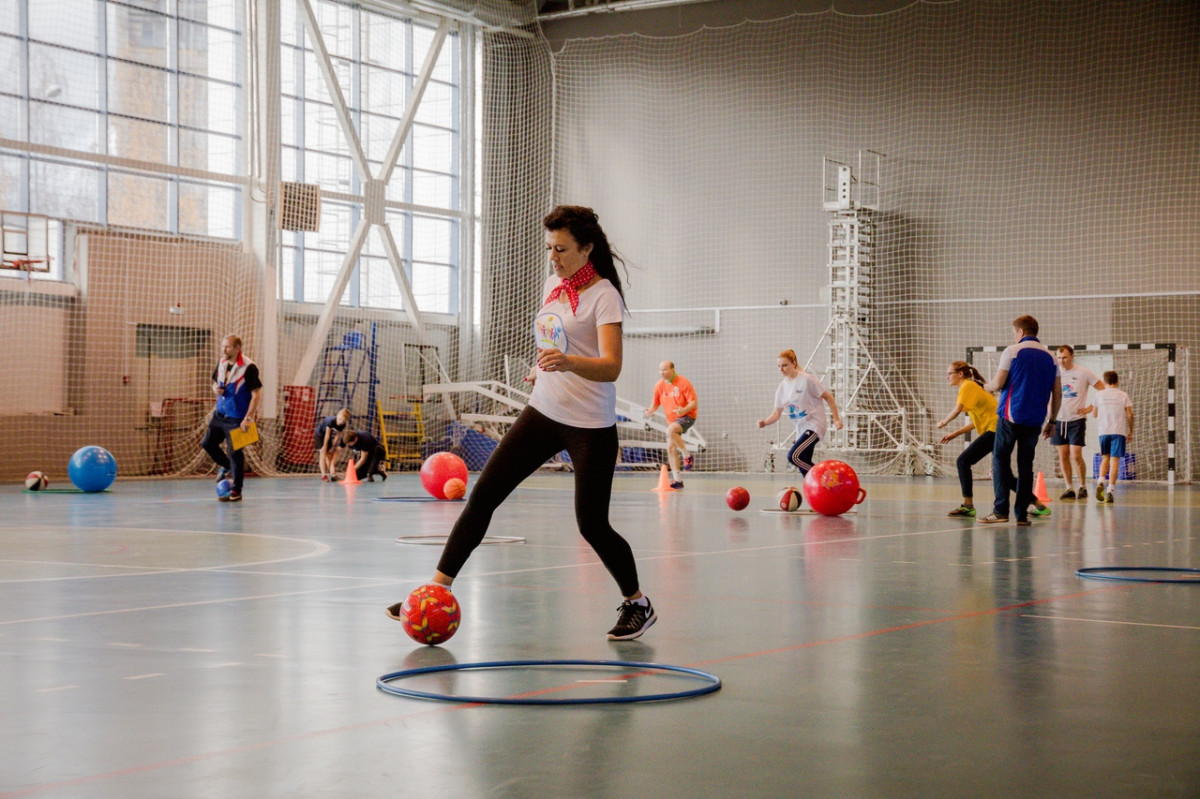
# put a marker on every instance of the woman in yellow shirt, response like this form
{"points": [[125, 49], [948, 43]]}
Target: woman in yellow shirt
{"points": [[980, 406]]}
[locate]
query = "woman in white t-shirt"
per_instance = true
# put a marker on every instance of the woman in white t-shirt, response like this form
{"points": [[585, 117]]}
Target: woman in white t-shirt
{"points": [[573, 407], [802, 397]]}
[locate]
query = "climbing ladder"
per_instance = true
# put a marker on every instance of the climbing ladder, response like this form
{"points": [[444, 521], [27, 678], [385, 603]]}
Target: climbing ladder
{"points": [[402, 432], [345, 369]]}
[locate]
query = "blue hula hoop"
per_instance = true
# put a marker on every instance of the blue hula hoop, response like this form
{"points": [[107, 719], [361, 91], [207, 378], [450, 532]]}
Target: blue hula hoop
{"points": [[712, 683], [1103, 573], [413, 499]]}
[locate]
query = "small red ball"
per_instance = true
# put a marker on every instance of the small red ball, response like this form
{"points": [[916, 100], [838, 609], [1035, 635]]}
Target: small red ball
{"points": [[737, 498]]}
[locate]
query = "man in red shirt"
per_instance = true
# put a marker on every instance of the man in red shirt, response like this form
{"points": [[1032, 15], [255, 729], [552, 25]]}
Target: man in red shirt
{"points": [[678, 400]]}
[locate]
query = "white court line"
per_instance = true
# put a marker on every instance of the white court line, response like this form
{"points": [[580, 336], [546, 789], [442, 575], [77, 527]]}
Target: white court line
{"points": [[145, 676], [223, 600], [1111, 621], [317, 549], [378, 583], [57, 688], [76, 563], [725, 552]]}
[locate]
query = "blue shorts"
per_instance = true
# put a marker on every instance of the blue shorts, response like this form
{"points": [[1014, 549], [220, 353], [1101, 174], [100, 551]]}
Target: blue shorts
{"points": [[1073, 433], [1112, 446], [685, 423]]}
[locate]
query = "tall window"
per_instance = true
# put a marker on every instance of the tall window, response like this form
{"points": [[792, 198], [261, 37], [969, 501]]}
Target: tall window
{"points": [[90, 83], [376, 59]]}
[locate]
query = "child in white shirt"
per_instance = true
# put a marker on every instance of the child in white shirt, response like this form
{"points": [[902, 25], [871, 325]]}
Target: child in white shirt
{"points": [[1114, 412]]}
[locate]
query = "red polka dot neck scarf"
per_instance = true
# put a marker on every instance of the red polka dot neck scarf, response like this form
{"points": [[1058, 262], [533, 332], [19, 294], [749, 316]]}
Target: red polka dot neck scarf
{"points": [[571, 285]]}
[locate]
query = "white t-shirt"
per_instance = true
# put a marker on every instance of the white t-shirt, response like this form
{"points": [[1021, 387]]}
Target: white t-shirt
{"points": [[1110, 412], [1075, 384], [800, 400], [566, 397]]}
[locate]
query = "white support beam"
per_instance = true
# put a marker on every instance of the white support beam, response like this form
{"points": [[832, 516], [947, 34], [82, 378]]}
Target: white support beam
{"points": [[335, 91], [261, 238], [410, 301], [414, 102], [317, 342]]}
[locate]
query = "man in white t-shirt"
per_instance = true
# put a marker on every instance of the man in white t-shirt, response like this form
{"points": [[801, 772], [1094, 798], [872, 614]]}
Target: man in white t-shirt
{"points": [[1114, 414], [1070, 427]]}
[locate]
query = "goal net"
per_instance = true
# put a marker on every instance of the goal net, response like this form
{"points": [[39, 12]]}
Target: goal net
{"points": [[1160, 448]]}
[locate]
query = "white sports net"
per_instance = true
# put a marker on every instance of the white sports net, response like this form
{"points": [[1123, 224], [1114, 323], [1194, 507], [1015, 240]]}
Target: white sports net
{"points": [[1006, 158]]}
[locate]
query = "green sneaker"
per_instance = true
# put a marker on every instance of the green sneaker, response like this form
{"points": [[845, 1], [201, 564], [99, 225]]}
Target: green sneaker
{"points": [[1041, 512], [1100, 492], [1108, 496], [962, 510]]}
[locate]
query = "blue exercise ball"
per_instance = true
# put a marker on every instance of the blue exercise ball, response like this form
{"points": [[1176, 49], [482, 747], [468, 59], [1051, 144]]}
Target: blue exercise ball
{"points": [[92, 468], [224, 487]]}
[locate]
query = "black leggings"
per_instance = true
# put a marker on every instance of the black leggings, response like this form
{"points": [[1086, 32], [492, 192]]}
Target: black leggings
{"points": [[531, 441], [976, 451]]}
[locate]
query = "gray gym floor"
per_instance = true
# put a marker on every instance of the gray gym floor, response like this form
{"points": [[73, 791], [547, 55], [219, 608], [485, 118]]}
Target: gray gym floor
{"points": [[157, 643]]}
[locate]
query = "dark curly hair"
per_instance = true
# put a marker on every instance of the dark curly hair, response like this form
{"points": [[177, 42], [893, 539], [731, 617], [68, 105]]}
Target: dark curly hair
{"points": [[584, 226]]}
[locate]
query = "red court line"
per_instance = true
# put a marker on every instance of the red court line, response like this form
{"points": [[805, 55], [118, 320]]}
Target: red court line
{"points": [[901, 627], [237, 750]]}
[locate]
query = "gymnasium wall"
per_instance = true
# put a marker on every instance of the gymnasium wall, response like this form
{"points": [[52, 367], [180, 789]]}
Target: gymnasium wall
{"points": [[1040, 158]]}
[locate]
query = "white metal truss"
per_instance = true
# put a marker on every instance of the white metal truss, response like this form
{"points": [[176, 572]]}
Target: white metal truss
{"points": [[874, 403], [503, 403], [374, 189]]}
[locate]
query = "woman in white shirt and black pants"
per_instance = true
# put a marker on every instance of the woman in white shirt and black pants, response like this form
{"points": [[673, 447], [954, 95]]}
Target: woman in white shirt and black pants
{"points": [[572, 407]]}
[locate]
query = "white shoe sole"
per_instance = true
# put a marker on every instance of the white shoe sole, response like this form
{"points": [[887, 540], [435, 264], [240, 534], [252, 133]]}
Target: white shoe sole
{"points": [[649, 623]]}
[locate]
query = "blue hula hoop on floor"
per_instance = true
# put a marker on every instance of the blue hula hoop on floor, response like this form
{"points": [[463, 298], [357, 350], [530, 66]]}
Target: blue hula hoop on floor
{"points": [[711, 683], [1104, 573]]}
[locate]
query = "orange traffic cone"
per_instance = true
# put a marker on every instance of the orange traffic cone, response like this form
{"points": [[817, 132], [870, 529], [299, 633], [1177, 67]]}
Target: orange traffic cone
{"points": [[1039, 489], [664, 480], [351, 477]]}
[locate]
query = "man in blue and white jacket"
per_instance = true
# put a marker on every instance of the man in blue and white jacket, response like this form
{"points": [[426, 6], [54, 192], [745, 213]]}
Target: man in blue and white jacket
{"points": [[238, 388], [1028, 382]]}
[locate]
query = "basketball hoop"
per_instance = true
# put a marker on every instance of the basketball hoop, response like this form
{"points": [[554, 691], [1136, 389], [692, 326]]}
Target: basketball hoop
{"points": [[27, 264]]}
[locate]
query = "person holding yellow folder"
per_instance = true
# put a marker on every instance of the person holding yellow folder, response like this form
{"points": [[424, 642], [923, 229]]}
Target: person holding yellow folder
{"points": [[238, 388]]}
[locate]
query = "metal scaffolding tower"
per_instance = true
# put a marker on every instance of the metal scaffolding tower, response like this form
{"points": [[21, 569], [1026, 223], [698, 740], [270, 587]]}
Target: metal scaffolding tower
{"points": [[874, 399]]}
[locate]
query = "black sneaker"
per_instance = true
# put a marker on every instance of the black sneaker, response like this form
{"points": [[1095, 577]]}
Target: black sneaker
{"points": [[234, 496], [1068, 494], [1082, 494], [634, 620], [677, 484]]}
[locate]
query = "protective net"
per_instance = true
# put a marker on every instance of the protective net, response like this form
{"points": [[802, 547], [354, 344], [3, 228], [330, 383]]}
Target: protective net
{"points": [[881, 194], [1004, 158]]}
